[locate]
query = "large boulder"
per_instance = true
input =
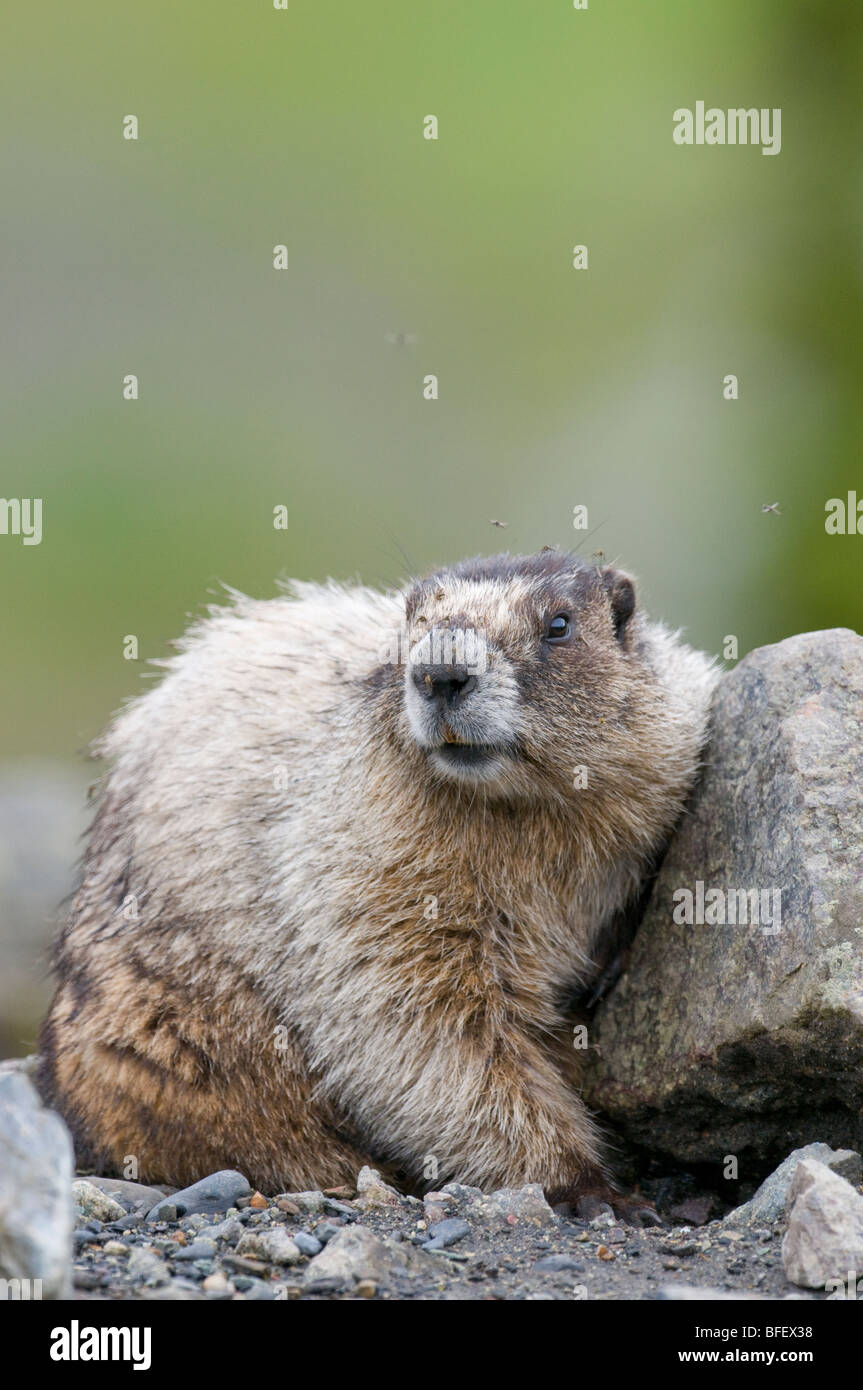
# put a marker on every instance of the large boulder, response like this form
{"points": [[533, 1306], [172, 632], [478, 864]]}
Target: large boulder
{"points": [[824, 1239], [747, 1039], [36, 1208], [770, 1203]]}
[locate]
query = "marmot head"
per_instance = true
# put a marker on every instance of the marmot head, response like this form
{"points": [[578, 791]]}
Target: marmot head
{"points": [[515, 667]]}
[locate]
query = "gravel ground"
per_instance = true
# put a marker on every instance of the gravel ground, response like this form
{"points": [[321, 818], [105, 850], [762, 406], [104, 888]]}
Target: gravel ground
{"points": [[376, 1244]]}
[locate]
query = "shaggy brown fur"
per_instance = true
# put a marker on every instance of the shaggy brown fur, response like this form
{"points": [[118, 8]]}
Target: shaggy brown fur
{"points": [[339, 890]]}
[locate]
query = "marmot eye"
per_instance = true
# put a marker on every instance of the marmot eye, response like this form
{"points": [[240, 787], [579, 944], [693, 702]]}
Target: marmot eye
{"points": [[558, 628]]}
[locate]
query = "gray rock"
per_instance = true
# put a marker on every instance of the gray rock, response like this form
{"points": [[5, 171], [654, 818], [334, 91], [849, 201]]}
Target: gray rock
{"points": [[308, 1202], [555, 1263], [229, 1231], [447, 1232], [256, 1291], [132, 1196], [197, 1250], [210, 1196], [456, 1194], [357, 1253], [508, 1206], [373, 1192], [36, 1172], [307, 1244], [769, 1203], [325, 1230], [273, 1245], [146, 1267], [193, 1225], [332, 1205], [824, 1240], [722, 1039], [83, 1236], [175, 1291], [94, 1203]]}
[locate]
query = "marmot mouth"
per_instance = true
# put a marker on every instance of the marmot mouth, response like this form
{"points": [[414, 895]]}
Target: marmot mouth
{"points": [[466, 753]]}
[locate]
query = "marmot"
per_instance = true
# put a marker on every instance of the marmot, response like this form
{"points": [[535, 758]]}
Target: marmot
{"points": [[351, 859]]}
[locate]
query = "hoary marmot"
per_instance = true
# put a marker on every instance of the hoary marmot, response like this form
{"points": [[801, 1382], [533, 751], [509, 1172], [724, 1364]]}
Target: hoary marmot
{"points": [[352, 857]]}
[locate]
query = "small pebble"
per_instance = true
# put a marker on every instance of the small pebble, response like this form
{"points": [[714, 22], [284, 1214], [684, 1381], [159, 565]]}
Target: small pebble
{"points": [[193, 1224], [217, 1284], [198, 1250], [167, 1212], [229, 1231], [340, 1207], [447, 1232], [275, 1246], [309, 1202], [307, 1244], [554, 1263], [243, 1265], [325, 1230]]}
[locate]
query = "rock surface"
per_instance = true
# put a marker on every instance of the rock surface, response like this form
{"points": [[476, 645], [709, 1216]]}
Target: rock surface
{"points": [[508, 1206], [357, 1253], [132, 1196], [373, 1192], [742, 1039], [94, 1203], [459, 1244], [208, 1197], [824, 1240], [771, 1201], [147, 1268], [36, 1171], [274, 1246], [309, 1202]]}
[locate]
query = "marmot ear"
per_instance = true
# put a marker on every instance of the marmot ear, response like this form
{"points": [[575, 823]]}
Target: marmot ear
{"points": [[621, 594]]}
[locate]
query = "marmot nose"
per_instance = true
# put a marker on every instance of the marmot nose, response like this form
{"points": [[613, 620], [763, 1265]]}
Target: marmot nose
{"points": [[446, 685]]}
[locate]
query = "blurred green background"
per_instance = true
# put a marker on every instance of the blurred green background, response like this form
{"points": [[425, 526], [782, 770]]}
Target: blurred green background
{"points": [[260, 387]]}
